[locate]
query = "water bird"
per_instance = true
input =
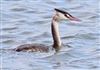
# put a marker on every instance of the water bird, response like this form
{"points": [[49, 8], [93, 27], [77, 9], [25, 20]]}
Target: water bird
{"points": [[57, 44]]}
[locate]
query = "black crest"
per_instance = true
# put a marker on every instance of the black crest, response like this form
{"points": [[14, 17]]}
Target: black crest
{"points": [[64, 12], [58, 10]]}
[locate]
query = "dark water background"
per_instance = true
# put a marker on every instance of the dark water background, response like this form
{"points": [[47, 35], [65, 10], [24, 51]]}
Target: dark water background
{"points": [[28, 21]]}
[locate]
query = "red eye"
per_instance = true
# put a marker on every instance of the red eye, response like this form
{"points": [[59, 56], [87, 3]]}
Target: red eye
{"points": [[70, 17], [66, 15]]}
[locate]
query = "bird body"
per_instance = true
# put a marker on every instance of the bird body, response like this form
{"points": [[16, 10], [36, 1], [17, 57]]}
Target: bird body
{"points": [[57, 44]]}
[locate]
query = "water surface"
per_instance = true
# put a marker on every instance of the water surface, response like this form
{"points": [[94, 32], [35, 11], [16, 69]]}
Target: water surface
{"points": [[28, 21]]}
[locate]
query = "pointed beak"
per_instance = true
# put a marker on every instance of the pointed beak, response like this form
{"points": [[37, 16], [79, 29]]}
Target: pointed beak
{"points": [[73, 18]]}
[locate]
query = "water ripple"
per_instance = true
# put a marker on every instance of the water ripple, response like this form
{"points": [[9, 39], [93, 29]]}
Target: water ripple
{"points": [[28, 21], [90, 63], [89, 36], [18, 8], [9, 29]]}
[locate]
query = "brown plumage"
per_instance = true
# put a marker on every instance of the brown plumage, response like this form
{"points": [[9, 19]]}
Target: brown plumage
{"points": [[32, 48], [57, 44]]}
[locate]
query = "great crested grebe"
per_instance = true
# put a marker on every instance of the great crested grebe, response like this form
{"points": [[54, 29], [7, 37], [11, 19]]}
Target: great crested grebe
{"points": [[57, 44]]}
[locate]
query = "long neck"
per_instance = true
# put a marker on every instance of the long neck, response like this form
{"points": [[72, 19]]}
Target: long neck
{"points": [[55, 34]]}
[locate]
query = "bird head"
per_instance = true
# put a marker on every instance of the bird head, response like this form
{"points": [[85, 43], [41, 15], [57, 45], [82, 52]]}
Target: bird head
{"points": [[63, 15]]}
